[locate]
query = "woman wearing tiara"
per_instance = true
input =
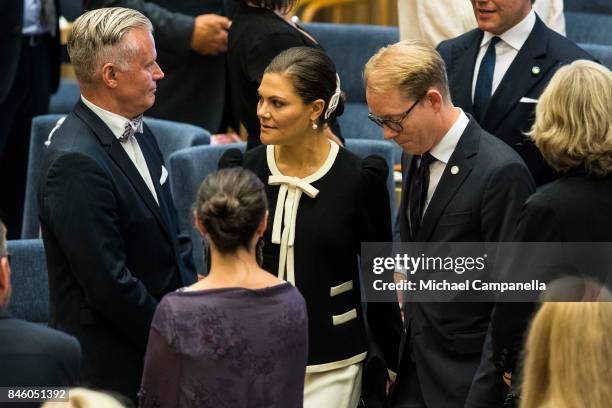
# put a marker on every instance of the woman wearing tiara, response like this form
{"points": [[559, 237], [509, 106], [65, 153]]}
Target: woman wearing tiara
{"points": [[324, 203]]}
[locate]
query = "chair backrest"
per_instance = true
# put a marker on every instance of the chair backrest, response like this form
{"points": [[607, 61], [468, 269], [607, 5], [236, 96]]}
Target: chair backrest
{"points": [[170, 136], [383, 148], [67, 95], [350, 46], [187, 170], [30, 296], [586, 21], [603, 53]]}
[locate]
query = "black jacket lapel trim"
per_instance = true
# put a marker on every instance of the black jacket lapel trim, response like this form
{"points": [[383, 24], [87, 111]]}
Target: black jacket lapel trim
{"points": [[519, 79], [450, 183]]}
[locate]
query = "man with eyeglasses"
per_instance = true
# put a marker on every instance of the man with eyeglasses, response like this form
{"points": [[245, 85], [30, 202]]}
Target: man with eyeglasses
{"points": [[460, 184], [32, 355]]}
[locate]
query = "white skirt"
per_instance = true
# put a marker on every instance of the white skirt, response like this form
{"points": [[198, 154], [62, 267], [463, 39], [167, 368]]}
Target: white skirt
{"points": [[337, 388]]}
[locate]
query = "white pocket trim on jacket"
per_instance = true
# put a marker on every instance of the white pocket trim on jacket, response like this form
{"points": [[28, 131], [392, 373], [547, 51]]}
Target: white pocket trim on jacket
{"points": [[344, 317], [343, 287]]}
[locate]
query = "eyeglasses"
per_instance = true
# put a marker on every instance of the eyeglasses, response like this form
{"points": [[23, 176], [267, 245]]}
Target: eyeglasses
{"points": [[394, 125]]}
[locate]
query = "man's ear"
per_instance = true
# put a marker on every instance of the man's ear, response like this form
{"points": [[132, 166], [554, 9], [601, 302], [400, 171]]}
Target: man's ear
{"points": [[109, 74], [435, 98], [316, 109]]}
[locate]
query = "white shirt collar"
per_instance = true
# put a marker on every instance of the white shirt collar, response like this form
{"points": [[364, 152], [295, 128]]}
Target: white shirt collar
{"points": [[515, 36], [116, 123], [446, 146]]}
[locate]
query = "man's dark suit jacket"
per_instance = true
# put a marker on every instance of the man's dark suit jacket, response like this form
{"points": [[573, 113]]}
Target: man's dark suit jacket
{"points": [[506, 116], [11, 24], [478, 204], [36, 356], [112, 251], [194, 89]]}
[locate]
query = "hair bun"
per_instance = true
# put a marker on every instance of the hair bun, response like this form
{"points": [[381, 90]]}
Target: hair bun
{"points": [[230, 205], [222, 205]]}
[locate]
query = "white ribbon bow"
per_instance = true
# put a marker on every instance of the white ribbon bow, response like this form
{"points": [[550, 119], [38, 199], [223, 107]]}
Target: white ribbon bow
{"points": [[290, 192]]}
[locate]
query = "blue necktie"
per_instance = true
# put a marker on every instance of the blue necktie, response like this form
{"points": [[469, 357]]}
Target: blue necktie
{"points": [[484, 81]]}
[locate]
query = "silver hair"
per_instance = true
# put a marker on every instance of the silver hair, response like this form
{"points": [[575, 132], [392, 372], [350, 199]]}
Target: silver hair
{"points": [[97, 37]]}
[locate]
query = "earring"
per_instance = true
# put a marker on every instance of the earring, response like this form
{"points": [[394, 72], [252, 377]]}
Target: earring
{"points": [[259, 251], [314, 125]]}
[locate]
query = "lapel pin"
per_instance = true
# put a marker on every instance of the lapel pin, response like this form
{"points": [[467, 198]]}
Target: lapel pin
{"points": [[535, 70], [454, 170]]}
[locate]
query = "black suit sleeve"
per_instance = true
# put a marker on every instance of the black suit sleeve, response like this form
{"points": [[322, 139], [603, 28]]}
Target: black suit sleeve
{"points": [[79, 202], [173, 31], [383, 317], [507, 190], [537, 223]]}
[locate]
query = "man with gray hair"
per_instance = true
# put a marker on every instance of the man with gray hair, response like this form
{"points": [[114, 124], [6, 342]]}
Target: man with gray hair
{"points": [[107, 217], [32, 355]]}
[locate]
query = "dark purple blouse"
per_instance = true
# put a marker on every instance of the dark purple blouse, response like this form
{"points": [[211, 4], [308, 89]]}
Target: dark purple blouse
{"points": [[229, 347]]}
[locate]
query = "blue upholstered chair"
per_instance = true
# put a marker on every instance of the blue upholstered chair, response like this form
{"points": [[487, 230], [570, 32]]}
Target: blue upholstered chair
{"points": [[350, 46], [589, 21], [30, 298], [67, 95], [601, 52], [187, 170], [171, 136]]}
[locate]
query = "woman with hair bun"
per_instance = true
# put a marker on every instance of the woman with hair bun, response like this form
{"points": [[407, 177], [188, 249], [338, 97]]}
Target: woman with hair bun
{"points": [[238, 337], [326, 201]]}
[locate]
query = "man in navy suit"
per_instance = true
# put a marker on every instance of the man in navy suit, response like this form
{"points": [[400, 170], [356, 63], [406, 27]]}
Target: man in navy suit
{"points": [[498, 71], [460, 184], [30, 70], [32, 355], [108, 222]]}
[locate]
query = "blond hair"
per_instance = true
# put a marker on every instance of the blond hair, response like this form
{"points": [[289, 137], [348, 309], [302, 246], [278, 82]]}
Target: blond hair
{"points": [[411, 66], [84, 398], [97, 37], [569, 356], [573, 125]]}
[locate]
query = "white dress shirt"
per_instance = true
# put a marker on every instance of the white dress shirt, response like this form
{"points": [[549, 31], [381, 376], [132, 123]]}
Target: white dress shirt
{"points": [[116, 124], [505, 50], [442, 153]]}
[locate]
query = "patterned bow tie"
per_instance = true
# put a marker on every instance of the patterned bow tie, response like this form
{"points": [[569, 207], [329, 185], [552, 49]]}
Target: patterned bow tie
{"points": [[131, 127]]}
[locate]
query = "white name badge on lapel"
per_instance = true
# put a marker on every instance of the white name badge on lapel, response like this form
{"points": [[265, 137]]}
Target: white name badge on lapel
{"points": [[164, 176], [528, 100]]}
